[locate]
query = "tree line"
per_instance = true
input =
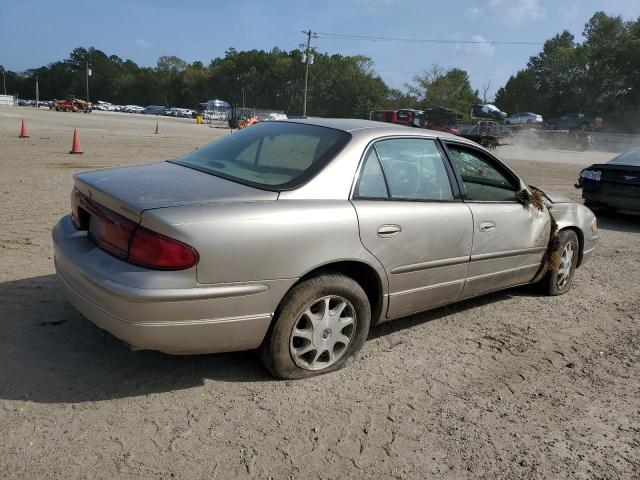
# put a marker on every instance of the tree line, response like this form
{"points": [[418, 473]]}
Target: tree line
{"points": [[598, 76], [339, 86]]}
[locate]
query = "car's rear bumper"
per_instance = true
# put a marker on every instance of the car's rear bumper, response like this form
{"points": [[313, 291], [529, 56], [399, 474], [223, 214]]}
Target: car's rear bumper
{"points": [[197, 319]]}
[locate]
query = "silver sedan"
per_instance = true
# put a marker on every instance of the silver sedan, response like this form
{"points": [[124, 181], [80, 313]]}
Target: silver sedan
{"points": [[295, 237]]}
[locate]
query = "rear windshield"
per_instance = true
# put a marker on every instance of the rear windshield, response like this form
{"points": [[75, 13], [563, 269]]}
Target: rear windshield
{"points": [[269, 155]]}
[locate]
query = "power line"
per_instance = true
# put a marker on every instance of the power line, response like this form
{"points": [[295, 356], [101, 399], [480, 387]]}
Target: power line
{"points": [[373, 38]]}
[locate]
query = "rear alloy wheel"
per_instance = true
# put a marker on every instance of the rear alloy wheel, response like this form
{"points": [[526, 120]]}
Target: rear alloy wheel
{"points": [[320, 325], [323, 333], [559, 280]]}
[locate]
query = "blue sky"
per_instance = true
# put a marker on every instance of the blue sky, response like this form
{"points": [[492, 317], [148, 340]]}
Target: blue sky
{"points": [[36, 32]]}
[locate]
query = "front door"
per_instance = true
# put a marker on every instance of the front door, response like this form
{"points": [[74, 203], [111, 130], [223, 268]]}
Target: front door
{"points": [[509, 239], [412, 219]]}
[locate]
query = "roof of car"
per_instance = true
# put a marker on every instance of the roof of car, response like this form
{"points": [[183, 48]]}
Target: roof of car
{"points": [[353, 124]]}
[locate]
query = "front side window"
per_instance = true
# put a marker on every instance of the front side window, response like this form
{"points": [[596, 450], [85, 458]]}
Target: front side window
{"points": [[404, 169], [483, 180], [270, 155]]}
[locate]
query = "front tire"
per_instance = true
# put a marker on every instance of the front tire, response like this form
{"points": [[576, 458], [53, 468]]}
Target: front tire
{"points": [[319, 327], [559, 280]]}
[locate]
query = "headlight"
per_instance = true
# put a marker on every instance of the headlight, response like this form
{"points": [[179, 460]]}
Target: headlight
{"points": [[594, 224], [594, 175]]}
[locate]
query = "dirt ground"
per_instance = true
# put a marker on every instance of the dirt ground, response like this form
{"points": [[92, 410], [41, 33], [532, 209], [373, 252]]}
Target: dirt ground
{"points": [[513, 385]]}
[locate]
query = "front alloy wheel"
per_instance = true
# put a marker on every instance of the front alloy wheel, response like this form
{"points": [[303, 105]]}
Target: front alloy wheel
{"points": [[564, 270], [559, 280]]}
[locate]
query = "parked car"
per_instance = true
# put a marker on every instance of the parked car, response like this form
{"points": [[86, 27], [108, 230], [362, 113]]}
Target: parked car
{"points": [[614, 185], [488, 111], [132, 109], [406, 116], [174, 112], [275, 116], [524, 119], [575, 121], [442, 116], [296, 236], [154, 110]]}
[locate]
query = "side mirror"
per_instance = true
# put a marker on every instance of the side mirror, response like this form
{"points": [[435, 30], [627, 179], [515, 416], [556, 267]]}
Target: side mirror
{"points": [[523, 197], [535, 199]]}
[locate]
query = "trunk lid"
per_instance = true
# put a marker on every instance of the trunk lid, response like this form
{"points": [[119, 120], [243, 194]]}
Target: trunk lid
{"points": [[131, 190]]}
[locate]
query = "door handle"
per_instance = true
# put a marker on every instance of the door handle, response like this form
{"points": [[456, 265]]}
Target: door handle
{"points": [[389, 230], [487, 226]]}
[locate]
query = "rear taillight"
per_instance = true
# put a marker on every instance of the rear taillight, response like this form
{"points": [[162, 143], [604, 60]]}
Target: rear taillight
{"points": [[152, 250], [112, 232], [127, 240]]}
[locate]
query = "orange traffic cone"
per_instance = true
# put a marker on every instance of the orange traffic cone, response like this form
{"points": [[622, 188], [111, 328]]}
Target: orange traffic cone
{"points": [[76, 142], [24, 132], [157, 128]]}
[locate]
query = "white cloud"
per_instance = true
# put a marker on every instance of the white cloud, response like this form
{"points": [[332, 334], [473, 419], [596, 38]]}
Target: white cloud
{"points": [[571, 11], [141, 43], [482, 48], [473, 12], [516, 12]]}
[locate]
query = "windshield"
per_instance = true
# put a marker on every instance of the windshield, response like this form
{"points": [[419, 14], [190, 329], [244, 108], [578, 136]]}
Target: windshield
{"points": [[632, 157], [271, 155]]}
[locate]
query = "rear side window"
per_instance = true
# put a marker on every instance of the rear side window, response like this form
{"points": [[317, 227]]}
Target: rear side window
{"points": [[271, 155], [404, 169], [371, 183], [483, 179], [414, 169]]}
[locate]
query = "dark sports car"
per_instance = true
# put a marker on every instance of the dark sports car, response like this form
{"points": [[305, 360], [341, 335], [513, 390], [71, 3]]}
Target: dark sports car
{"points": [[613, 185]]}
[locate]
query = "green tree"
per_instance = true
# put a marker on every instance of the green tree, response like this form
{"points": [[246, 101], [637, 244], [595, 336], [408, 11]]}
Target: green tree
{"points": [[598, 76], [519, 94], [444, 88]]}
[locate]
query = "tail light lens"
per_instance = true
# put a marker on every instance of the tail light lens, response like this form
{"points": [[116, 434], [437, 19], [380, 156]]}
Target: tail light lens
{"points": [[127, 240], [152, 250]]}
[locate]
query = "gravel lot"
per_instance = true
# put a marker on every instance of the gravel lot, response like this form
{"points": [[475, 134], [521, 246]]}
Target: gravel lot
{"points": [[513, 385]]}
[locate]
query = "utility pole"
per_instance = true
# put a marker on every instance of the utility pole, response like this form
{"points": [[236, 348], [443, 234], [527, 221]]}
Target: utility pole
{"points": [[307, 59], [4, 82], [88, 75], [37, 93]]}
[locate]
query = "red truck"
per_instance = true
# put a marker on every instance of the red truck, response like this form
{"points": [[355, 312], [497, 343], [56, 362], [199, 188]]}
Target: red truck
{"points": [[437, 118], [406, 116]]}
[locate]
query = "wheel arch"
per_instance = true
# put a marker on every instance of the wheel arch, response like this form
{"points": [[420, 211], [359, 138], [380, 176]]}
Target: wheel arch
{"points": [[362, 272]]}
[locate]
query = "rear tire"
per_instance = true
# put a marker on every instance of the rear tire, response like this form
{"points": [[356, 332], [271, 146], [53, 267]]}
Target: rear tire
{"points": [[319, 327], [559, 280]]}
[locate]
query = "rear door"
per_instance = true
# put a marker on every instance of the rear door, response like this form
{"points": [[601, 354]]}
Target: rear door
{"points": [[509, 239], [412, 219]]}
